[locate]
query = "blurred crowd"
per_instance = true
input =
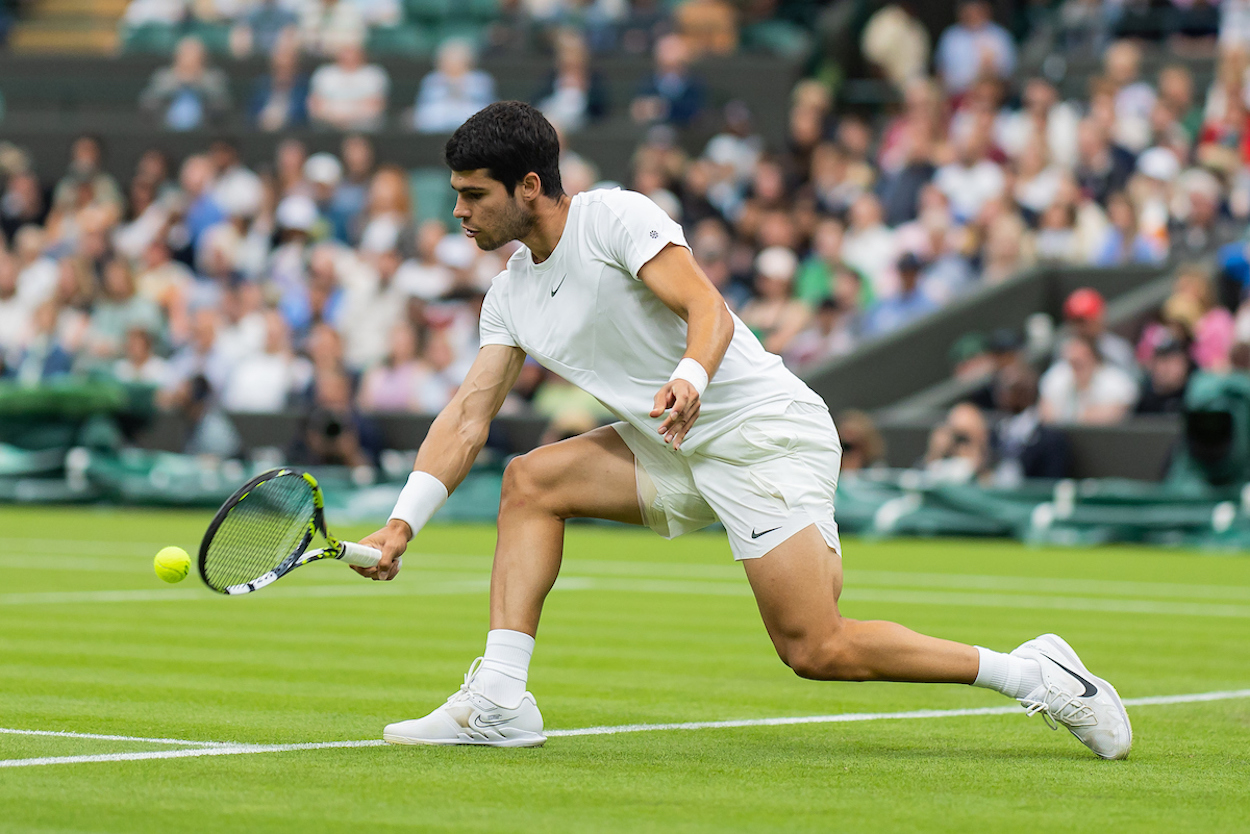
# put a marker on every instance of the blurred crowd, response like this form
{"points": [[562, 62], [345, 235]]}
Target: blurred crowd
{"points": [[309, 281]]}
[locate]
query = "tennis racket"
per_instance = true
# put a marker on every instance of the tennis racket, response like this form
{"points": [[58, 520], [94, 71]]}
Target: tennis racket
{"points": [[262, 533]]}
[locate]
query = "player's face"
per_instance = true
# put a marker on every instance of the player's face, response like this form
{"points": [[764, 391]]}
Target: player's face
{"points": [[487, 213]]}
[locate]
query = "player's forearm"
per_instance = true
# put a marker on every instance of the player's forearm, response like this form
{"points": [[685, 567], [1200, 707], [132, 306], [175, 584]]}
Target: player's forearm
{"points": [[710, 329], [452, 445]]}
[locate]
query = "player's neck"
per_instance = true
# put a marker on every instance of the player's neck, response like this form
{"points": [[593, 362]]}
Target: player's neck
{"points": [[548, 228]]}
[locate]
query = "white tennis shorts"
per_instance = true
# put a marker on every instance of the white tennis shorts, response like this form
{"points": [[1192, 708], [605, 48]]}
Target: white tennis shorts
{"points": [[764, 481]]}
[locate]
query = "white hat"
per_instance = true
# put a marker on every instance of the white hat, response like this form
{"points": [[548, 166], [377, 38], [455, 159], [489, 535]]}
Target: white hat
{"points": [[777, 262], [297, 212], [239, 195], [323, 169], [1159, 164]]}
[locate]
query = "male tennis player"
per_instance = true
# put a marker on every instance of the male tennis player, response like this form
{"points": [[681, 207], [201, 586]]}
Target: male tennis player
{"points": [[604, 292]]}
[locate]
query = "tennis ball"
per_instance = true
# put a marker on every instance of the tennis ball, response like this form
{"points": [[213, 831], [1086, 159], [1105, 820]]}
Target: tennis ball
{"points": [[172, 564]]}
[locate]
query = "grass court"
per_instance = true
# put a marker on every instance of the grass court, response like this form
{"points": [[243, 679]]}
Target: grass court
{"points": [[214, 711]]}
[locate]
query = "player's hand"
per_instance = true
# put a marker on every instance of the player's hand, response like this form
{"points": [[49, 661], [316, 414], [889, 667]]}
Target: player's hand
{"points": [[392, 540], [682, 402]]}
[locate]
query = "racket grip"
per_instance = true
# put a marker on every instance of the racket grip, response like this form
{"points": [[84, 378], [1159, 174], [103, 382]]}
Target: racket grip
{"points": [[360, 555]]}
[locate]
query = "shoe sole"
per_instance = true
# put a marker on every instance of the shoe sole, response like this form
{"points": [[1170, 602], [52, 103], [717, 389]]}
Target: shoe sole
{"points": [[531, 741], [1070, 655]]}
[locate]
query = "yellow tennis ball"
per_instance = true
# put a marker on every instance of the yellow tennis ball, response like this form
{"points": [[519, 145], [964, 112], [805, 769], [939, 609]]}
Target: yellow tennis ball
{"points": [[172, 564]]}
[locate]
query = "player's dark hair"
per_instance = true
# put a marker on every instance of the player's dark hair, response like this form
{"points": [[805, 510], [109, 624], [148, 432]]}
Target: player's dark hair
{"points": [[509, 139]]}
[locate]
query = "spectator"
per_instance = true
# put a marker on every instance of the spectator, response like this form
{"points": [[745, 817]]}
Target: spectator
{"points": [[738, 149], [376, 297], [972, 179], [335, 434], [280, 99], [453, 91], [139, 365], [1167, 377], [1044, 120], [868, 246], [264, 382], [974, 47], [86, 172], [672, 94], [43, 356], [909, 304], [573, 95], [1085, 313], [1021, 445], [188, 94], [200, 368], [862, 444], [353, 189], [202, 209], [326, 26], [1134, 98], [958, 449], [388, 210], [828, 336], [269, 26], [119, 311], [1081, 388], [1123, 243], [1102, 168], [323, 172], [775, 316], [349, 94], [22, 203], [14, 313], [401, 382]]}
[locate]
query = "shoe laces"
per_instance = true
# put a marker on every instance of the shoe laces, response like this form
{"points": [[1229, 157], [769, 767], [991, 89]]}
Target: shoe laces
{"points": [[467, 694], [1058, 706]]}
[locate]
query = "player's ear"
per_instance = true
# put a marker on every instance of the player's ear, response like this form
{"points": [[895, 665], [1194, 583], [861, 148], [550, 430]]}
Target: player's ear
{"points": [[530, 187]]}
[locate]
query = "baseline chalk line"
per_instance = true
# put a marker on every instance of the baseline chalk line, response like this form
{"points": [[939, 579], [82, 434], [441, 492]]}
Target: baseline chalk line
{"points": [[225, 748]]}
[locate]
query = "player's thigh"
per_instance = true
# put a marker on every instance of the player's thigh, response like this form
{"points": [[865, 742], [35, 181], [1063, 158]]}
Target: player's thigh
{"points": [[588, 476], [796, 586]]}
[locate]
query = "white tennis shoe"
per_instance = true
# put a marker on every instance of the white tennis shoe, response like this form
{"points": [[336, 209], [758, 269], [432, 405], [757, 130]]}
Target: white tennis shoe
{"points": [[469, 717], [1087, 705]]}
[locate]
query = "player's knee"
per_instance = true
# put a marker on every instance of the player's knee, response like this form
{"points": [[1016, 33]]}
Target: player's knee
{"points": [[523, 482], [824, 659]]}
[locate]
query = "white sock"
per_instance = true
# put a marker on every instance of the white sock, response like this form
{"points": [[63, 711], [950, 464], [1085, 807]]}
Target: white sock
{"points": [[505, 666], [1015, 677]]}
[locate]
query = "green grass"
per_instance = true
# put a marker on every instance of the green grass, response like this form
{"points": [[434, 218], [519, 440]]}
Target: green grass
{"points": [[645, 631]]}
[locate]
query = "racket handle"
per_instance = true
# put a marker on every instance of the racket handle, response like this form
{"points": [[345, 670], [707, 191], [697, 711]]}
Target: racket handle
{"points": [[360, 555]]}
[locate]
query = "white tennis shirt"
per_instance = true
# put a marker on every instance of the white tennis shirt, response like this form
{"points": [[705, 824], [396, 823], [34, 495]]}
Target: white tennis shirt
{"points": [[584, 315]]}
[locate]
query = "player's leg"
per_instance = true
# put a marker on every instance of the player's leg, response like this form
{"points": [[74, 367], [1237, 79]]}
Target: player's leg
{"points": [[593, 476], [589, 476], [797, 585]]}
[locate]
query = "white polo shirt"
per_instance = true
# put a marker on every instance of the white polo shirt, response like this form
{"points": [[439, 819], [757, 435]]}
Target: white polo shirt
{"points": [[583, 314]]}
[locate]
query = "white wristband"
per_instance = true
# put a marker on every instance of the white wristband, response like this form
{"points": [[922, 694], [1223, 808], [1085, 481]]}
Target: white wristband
{"points": [[420, 498], [691, 371]]}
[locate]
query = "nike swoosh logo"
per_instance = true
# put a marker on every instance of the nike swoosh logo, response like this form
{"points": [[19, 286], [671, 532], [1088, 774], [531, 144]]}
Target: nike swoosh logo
{"points": [[1090, 689], [558, 286], [756, 535], [477, 722]]}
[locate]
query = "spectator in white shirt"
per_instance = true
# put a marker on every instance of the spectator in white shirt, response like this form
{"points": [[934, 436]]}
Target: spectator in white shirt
{"points": [[973, 47], [970, 181], [868, 246], [264, 382], [453, 92], [349, 94], [1083, 389], [139, 365]]}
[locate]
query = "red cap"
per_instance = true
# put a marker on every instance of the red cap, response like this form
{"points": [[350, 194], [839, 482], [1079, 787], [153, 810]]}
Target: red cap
{"points": [[1085, 303]]}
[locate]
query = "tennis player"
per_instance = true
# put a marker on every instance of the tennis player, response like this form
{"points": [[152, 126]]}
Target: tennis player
{"points": [[604, 292]]}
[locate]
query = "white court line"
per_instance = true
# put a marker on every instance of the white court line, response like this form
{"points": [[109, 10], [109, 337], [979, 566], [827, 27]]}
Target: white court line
{"points": [[572, 582], [54, 733], [235, 749], [227, 750]]}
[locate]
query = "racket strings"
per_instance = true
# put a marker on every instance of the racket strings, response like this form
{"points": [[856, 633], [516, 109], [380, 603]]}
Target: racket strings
{"points": [[260, 532]]}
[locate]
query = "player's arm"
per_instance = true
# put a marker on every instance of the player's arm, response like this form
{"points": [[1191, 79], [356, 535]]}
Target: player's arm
{"points": [[678, 281], [447, 453]]}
